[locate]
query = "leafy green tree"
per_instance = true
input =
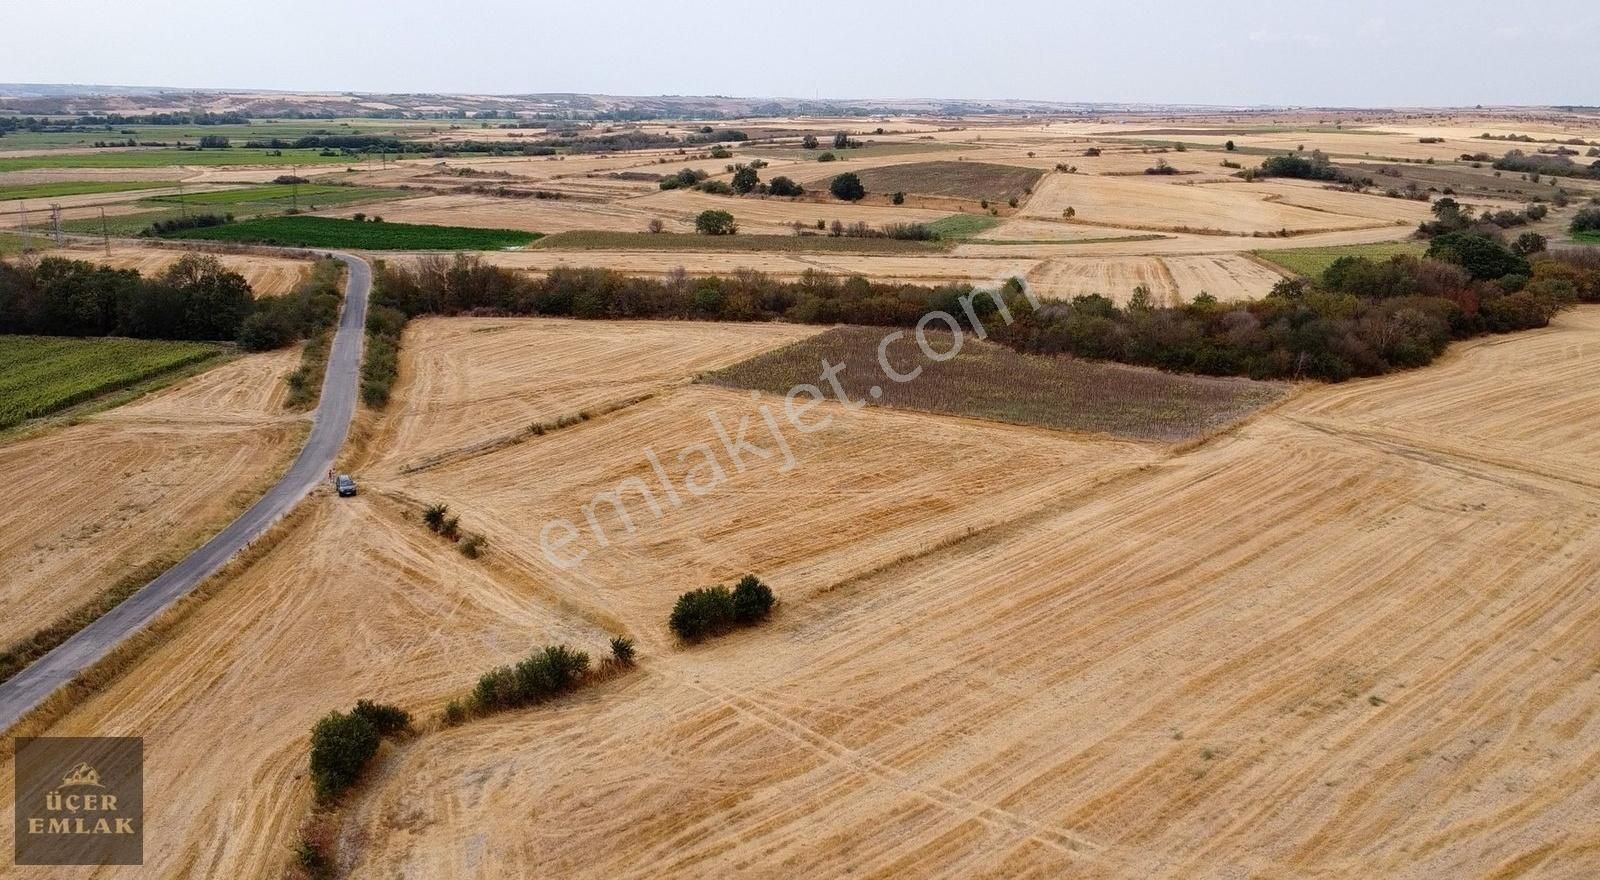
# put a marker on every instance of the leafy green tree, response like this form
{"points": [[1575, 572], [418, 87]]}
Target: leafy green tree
{"points": [[1229, 146], [809, 142], [1484, 258], [703, 612], [783, 186], [745, 179], [1529, 243], [715, 223], [752, 600], [898, 198], [848, 187], [341, 746], [841, 140]]}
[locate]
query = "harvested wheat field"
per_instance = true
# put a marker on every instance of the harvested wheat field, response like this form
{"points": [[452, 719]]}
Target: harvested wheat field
{"points": [[100, 500], [268, 276], [1233, 208], [354, 601], [1171, 280], [471, 381], [1291, 652]]}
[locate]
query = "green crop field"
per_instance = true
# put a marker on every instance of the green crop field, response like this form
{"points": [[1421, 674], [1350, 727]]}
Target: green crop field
{"points": [[256, 129], [42, 374], [76, 188], [644, 241], [1586, 236], [160, 158], [1314, 261], [331, 232], [276, 197], [123, 224], [958, 226]]}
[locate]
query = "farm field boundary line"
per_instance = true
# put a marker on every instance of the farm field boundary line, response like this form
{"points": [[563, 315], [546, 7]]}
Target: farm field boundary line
{"points": [[1439, 455], [495, 444], [331, 424]]}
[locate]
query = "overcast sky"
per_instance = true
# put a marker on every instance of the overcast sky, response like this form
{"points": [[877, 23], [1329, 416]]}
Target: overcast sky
{"points": [[1352, 53]]}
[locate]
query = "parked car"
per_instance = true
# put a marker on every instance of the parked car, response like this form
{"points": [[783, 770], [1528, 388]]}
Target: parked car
{"points": [[345, 485]]}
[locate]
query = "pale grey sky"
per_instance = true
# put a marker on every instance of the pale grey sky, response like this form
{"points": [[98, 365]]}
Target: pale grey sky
{"points": [[1353, 53]]}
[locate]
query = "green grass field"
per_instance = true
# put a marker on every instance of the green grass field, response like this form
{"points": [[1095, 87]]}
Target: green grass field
{"points": [[332, 232], [122, 224], [161, 158], [1586, 236], [42, 374], [644, 241], [276, 197], [286, 129], [76, 188], [1314, 261], [958, 226]]}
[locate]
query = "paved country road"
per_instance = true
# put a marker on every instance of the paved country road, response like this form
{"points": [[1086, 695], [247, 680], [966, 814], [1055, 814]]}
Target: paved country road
{"points": [[331, 422]]}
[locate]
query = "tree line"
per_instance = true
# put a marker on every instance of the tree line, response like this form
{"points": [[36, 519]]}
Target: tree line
{"points": [[1361, 318], [196, 298]]}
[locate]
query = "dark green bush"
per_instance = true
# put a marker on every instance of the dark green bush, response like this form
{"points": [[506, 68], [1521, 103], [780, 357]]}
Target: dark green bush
{"points": [[848, 187], [752, 600], [703, 612], [341, 746], [622, 650], [385, 719]]}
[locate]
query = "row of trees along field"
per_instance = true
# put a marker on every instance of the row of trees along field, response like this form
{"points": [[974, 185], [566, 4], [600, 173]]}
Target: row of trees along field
{"points": [[1362, 318], [195, 298]]}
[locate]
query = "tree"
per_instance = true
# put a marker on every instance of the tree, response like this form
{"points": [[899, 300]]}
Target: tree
{"points": [[783, 186], [715, 223], [215, 300], [700, 613], [1529, 243], [809, 142], [752, 600], [1229, 146], [1484, 258], [848, 187], [898, 198], [745, 179], [1586, 220], [826, 157], [841, 140], [341, 746], [657, 226]]}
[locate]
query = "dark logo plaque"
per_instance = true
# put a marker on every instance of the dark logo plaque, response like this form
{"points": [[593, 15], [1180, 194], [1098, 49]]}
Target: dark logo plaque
{"points": [[79, 800]]}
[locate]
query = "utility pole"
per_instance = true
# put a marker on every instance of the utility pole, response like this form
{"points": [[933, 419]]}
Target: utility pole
{"points": [[22, 211], [183, 206], [294, 186], [55, 223], [104, 232]]}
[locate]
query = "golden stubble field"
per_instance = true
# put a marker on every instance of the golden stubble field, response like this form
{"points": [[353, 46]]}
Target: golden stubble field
{"points": [[95, 501], [1354, 637]]}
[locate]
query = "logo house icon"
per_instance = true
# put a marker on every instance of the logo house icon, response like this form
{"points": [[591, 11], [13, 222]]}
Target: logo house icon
{"points": [[82, 774]]}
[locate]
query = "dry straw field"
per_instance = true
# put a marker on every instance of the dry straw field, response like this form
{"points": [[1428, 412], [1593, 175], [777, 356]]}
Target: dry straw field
{"points": [[1037, 618], [1302, 647]]}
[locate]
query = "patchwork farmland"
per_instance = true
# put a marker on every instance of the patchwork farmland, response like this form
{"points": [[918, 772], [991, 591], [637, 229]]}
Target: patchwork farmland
{"points": [[1235, 518]]}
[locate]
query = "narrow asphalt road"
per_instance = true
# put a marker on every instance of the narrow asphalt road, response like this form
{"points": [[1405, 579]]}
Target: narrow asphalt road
{"points": [[331, 422]]}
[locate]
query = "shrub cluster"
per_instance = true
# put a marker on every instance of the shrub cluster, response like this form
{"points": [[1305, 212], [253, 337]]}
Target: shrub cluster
{"points": [[714, 610], [1586, 220], [342, 744], [178, 224], [310, 309]]}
